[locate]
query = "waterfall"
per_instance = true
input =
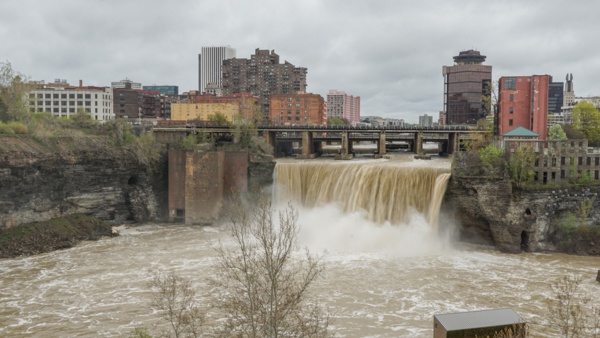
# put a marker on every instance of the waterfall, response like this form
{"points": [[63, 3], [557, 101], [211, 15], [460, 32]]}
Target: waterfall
{"points": [[384, 191]]}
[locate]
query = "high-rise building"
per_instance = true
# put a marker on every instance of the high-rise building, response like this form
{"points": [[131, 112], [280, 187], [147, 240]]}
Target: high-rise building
{"points": [[425, 120], [287, 109], [344, 106], [263, 76], [523, 102], [569, 93], [555, 97], [210, 63], [467, 88]]}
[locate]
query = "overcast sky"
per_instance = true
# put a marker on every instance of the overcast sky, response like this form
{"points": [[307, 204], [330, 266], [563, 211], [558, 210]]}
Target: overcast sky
{"points": [[390, 53]]}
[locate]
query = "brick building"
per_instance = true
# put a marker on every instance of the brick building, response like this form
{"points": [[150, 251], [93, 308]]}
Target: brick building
{"points": [[289, 109], [136, 103], [263, 76], [467, 88], [523, 102], [238, 105]]}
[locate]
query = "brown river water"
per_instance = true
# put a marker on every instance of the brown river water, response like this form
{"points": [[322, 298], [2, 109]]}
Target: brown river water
{"points": [[382, 278]]}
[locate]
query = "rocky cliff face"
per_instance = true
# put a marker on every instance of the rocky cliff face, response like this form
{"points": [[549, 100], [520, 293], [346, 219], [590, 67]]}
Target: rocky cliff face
{"points": [[492, 212], [42, 181]]}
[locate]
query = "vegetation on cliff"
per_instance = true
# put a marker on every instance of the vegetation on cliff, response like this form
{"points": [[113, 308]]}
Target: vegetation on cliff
{"points": [[58, 233]]}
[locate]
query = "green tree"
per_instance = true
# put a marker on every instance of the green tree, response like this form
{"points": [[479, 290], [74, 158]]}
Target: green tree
{"points": [[556, 132], [520, 165], [14, 90], [491, 159], [572, 133], [218, 119], [335, 121], [586, 119], [83, 120]]}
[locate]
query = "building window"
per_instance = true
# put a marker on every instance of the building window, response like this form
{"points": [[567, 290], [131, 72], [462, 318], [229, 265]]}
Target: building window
{"points": [[55, 96], [510, 110], [510, 122], [511, 98], [71, 96], [510, 83]]}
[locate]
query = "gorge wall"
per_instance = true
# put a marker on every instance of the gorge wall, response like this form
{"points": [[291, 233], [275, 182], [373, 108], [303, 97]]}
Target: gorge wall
{"points": [[42, 180], [61, 176], [491, 212]]}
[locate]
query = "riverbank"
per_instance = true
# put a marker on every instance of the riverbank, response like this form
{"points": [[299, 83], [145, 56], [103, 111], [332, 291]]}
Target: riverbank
{"points": [[58, 233]]}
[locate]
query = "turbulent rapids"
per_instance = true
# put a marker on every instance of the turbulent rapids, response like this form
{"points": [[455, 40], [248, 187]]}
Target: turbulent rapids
{"points": [[381, 279], [386, 193]]}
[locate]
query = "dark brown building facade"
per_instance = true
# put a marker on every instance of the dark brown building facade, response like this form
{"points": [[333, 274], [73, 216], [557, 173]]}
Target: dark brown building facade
{"points": [[288, 109], [136, 103], [263, 76], [467, 88]]}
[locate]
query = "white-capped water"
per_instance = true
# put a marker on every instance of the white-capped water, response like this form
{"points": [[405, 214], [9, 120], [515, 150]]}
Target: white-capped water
{"points": [[381, 279]]}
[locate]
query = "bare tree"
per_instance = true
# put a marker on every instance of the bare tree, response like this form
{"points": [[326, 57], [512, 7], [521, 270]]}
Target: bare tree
{"points": [[174, 297], [261, 287], [569, 309]]}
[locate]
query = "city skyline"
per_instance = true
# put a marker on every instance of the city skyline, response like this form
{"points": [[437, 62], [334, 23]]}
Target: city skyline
{"points": [[388, 53]]}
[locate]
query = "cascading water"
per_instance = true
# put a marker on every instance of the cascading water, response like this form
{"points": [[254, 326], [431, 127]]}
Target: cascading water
{"points": [[352, 210], [387, 193]]}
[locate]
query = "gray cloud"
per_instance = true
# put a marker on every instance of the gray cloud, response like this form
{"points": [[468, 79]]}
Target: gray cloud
{"points": [[388, 52]]}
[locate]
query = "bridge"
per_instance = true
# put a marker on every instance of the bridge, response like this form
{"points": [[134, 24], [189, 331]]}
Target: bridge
{"points": [[313, 139], [199, 181]]}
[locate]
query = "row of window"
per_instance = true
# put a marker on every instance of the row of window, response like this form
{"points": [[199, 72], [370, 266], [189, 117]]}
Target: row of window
{"points": [[69, 110], [297, 112], [64, 96], [64, 103], [563, 175]]}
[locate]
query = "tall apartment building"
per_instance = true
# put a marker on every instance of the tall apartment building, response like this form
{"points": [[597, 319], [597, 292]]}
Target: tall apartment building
{"points": [[344, 106], [287, 109], [210, 63], [263, 76], [523, 102], [467, 88], [63, 100], [425, 120]]}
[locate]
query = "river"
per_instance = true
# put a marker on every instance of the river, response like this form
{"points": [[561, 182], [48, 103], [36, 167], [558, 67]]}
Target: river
{"points": [[380, 280]]}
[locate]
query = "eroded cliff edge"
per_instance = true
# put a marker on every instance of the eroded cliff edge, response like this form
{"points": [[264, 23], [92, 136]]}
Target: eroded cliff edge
{"points": [[490, 211], [45, 179]]}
